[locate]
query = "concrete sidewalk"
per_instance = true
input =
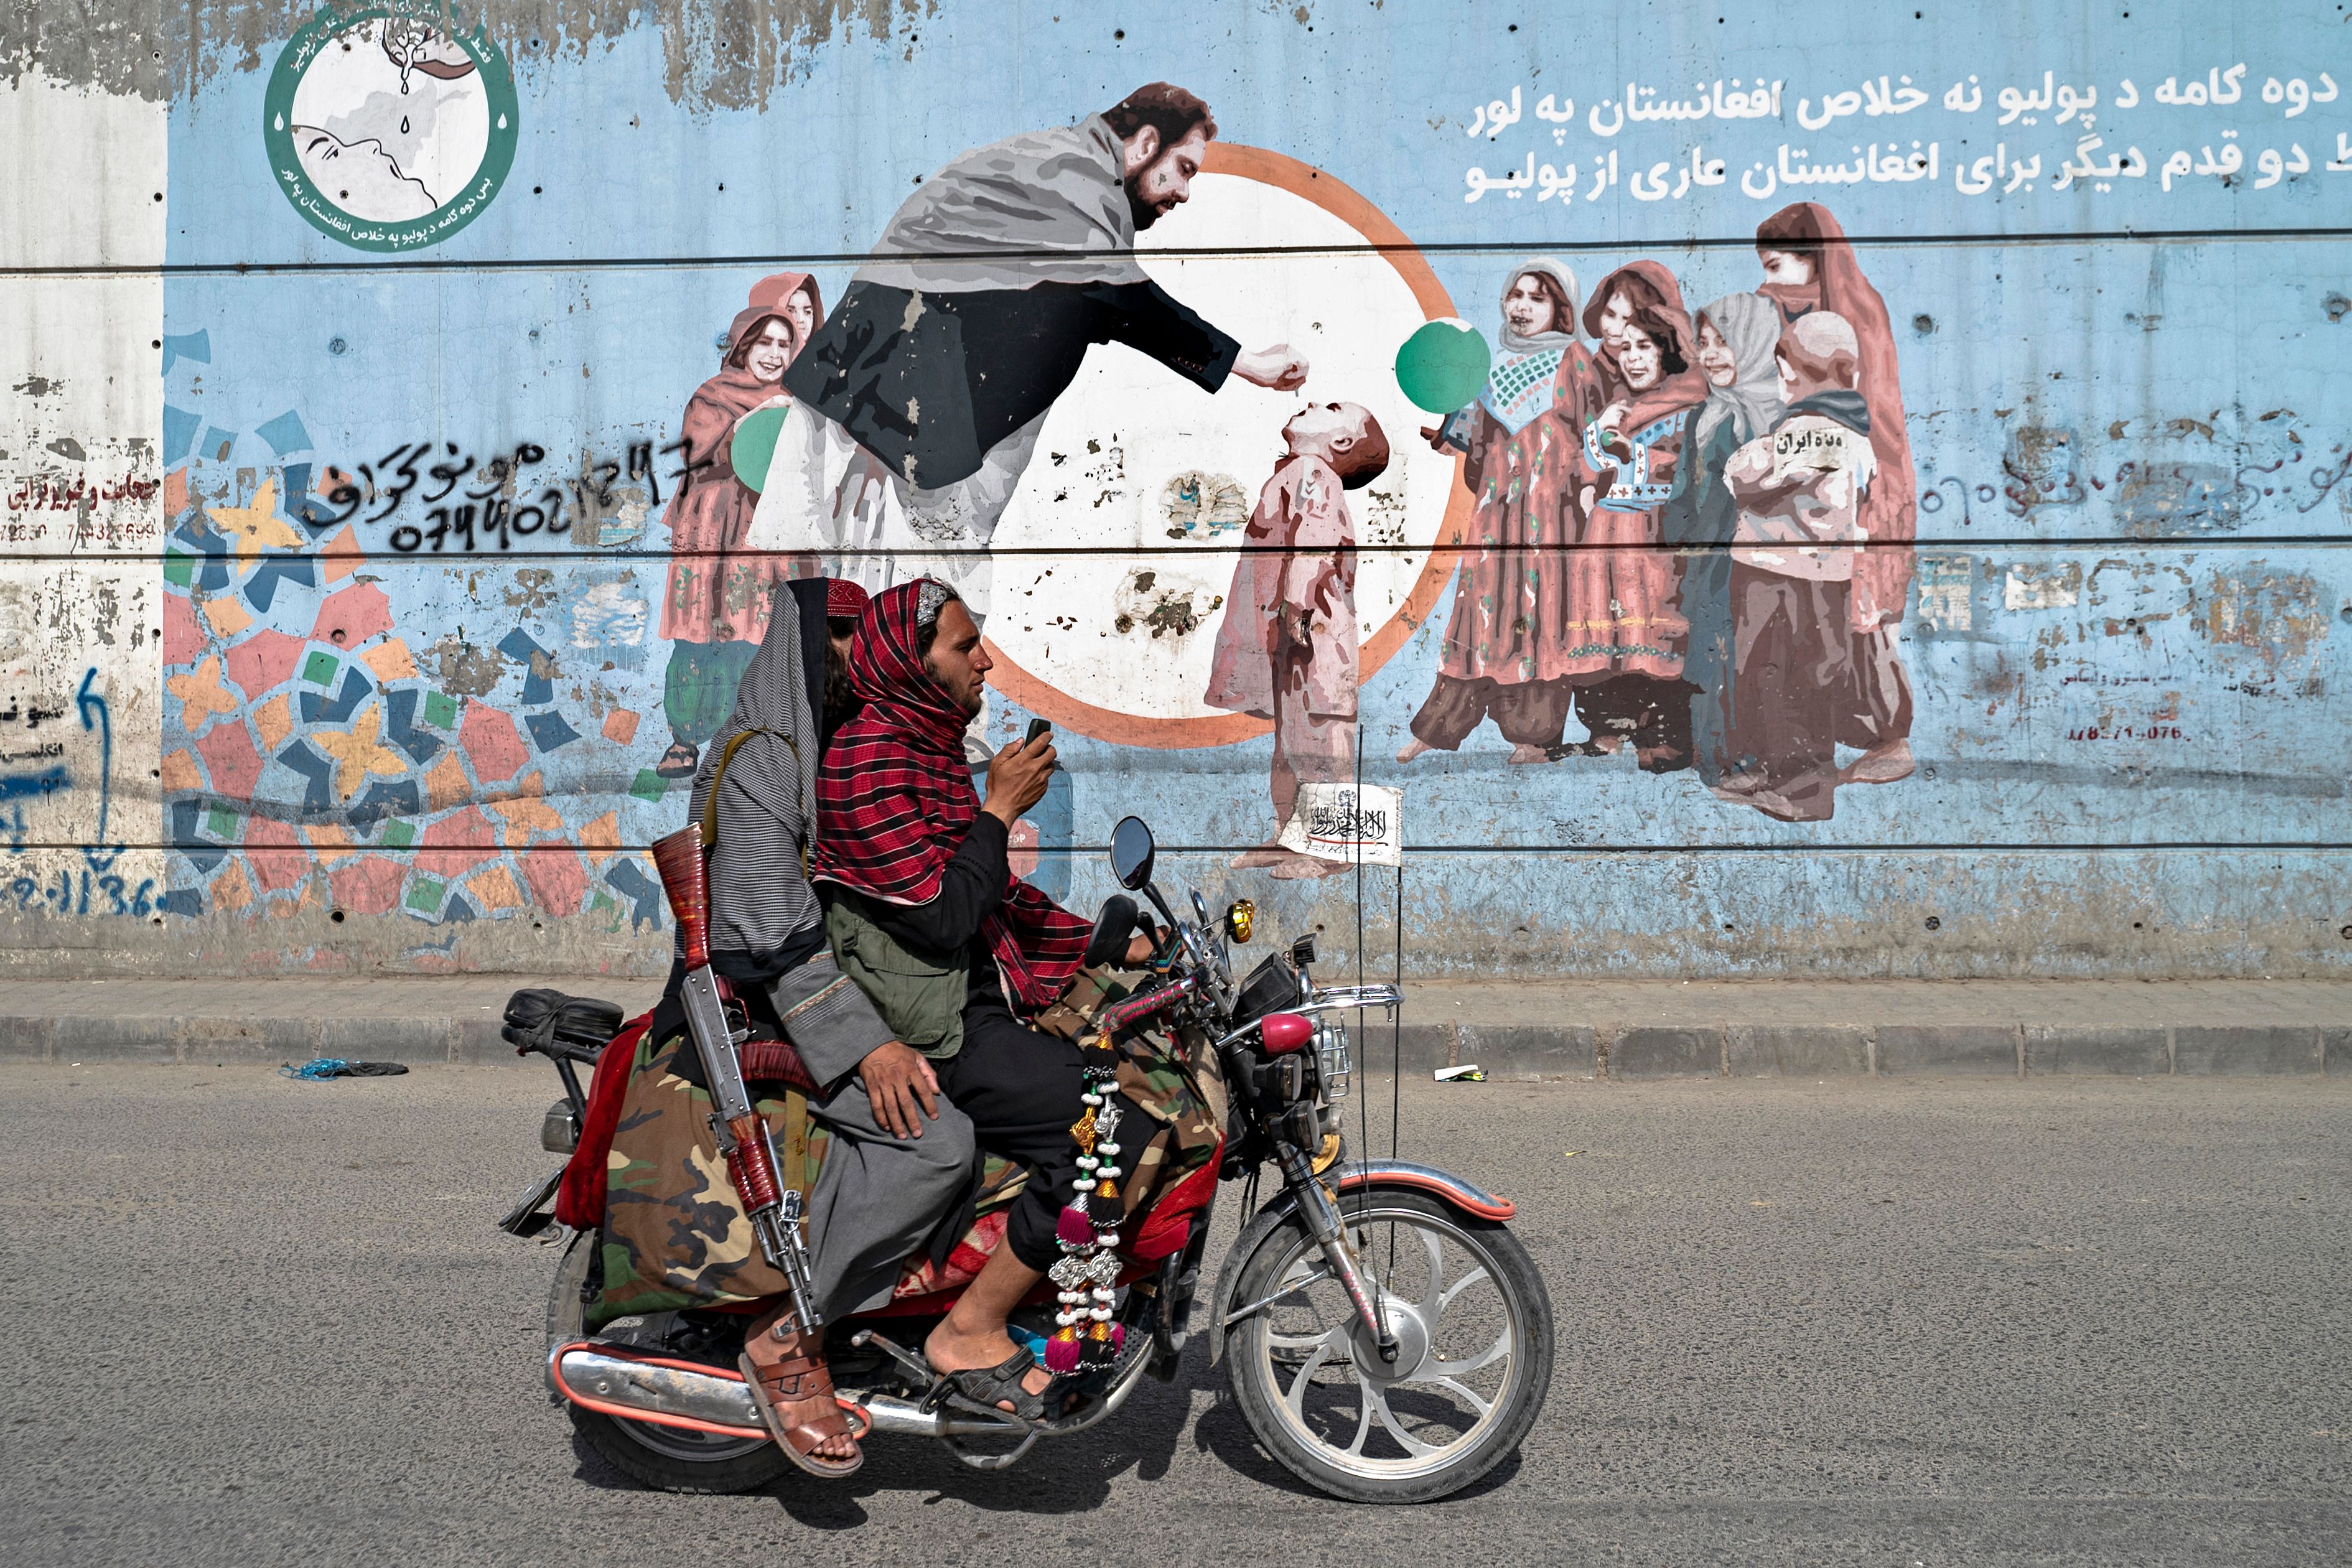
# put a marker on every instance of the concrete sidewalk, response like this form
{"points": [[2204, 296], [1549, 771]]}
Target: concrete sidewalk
{"points": [[1611, 1029]]}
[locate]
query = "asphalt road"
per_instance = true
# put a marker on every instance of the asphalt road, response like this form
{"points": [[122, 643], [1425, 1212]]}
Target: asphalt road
{"points": [[253, 1321]]}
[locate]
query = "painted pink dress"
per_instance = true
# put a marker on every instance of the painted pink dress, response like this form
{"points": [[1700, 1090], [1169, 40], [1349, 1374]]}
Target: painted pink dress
{"points": [[1504, 621], [718, 593], [1620, 589]]}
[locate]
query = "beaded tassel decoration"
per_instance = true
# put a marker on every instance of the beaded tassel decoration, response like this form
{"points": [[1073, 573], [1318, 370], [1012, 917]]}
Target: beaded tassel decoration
{"points": [[1084, 1335]]}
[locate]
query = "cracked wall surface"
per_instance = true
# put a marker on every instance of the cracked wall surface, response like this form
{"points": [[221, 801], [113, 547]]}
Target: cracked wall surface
{"points": [[383, 465]]}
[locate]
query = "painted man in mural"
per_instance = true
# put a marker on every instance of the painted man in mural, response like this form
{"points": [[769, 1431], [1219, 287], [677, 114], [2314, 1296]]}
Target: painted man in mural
{"points": [[932, 381]]}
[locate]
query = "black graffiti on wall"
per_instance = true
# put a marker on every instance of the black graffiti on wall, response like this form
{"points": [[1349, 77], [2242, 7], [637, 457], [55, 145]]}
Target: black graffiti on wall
{"points": [[439, 499]]}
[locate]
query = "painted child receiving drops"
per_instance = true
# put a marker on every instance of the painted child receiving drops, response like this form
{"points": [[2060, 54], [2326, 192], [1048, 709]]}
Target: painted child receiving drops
{"points": [[1287, 650]]}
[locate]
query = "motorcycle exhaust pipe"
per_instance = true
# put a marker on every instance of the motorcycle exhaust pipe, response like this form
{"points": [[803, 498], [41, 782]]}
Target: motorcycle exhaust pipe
{"points": [[618, 1381]]}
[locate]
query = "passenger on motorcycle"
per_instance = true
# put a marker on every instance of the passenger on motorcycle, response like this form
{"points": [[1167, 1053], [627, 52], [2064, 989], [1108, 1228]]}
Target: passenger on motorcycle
{"points": [[898, 1162], [956, 953]]}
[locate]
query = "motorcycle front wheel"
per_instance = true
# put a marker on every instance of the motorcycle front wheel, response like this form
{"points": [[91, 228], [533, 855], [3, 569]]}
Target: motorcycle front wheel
{"points": [[1474, 1330], [670, 1459]]}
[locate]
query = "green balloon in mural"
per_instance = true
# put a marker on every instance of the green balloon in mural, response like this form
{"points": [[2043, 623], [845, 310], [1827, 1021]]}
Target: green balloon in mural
{"points": [[1443, 366], [755, 444]]}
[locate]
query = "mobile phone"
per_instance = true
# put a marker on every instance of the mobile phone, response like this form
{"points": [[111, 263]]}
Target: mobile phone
{"points": [[1036, 727]]}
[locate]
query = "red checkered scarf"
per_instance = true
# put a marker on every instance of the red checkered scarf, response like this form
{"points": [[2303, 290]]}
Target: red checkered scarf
{"points": [[895, 797]]}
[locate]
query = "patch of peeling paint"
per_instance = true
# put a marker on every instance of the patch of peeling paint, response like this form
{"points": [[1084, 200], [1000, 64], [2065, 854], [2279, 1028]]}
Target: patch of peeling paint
{"points": [[715, 54]]}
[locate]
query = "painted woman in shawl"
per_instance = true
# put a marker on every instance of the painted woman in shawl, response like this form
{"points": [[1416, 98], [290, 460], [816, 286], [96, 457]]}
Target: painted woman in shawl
{"points": [[1809, 266], [1622, 643], [715, 611], [1736, 336], [1541, 390]]}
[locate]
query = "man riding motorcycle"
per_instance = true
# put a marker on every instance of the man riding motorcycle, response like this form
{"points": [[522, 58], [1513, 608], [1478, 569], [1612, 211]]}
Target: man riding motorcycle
{"points": [[955, 951], [686, 1246], [894, 1172]]}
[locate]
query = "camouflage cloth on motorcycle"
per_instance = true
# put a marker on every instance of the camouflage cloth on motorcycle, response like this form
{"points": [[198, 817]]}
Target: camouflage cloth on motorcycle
{"points": [[675, 1236]]}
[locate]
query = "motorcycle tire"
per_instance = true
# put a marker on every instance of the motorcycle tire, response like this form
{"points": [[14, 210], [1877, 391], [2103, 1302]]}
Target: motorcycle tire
{"points": [[667, 1458], [1296, 1364]]}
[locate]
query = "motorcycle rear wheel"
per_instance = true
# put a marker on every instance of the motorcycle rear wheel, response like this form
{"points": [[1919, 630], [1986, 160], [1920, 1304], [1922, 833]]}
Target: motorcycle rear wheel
{"points": [[1474, 1325], [669, 1458]]}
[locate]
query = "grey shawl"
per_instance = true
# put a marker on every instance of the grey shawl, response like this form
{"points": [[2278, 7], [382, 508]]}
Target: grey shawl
{"points": [[1750, 325], [1049, 207], [760, 896], [760, 902]]}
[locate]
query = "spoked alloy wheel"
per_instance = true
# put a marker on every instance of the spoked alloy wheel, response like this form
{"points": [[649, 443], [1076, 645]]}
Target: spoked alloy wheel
{"points": [[1473, 1331], [672, 1458]]}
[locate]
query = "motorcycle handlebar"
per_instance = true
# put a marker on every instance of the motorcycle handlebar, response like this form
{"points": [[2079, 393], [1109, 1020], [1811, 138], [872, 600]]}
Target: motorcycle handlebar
{"points": [[1381, 995]]}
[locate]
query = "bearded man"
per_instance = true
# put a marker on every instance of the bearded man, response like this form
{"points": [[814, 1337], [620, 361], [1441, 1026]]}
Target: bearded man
{"points": [[955, 951], [928, 386]]}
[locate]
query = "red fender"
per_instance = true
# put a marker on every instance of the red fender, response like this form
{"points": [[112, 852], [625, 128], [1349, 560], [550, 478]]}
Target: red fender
{"points": [[1443, 1185]]}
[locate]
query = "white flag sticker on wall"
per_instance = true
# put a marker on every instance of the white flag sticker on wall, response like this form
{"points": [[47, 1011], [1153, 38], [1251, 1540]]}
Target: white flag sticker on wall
{"points": [[1340, 822]]}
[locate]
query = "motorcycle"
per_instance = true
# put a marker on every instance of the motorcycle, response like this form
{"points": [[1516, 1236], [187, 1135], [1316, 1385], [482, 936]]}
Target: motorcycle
{"points": [[1385, 1336]]}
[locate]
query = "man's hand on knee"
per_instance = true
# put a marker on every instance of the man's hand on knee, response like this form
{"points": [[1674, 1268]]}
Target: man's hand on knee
{"points": [[899, 1081]]}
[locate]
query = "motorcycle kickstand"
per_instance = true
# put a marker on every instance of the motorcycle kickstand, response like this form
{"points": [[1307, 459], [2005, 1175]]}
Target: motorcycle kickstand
{"points": [[971, 1460]]}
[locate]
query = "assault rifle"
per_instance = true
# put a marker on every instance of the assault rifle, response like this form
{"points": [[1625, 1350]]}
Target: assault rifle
{"points": [[742, 1132]]}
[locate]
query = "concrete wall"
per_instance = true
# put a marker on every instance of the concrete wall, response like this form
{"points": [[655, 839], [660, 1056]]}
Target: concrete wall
{"points": [[264, 708]]}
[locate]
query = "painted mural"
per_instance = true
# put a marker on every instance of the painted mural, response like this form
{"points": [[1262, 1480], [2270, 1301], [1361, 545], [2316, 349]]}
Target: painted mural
{"points": [[1746, 549]]}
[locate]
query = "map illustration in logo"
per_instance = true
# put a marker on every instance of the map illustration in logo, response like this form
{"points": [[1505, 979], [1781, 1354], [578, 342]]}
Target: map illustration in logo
{"points": [[385, 131]]}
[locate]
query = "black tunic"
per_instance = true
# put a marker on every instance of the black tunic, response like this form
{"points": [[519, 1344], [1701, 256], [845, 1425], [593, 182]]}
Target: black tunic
{"points": [[928, 383]]}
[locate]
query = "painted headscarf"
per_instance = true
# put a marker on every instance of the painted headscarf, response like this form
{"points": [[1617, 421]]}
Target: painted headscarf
{"points": [[895, 798], [1890, 510], [1750, 325], [1523, 382], [1685, 389], [760, 897], [735, 391], [773, 292]]}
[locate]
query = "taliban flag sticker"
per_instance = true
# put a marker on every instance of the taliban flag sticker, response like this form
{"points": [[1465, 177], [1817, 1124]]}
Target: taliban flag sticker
{"points": [[386, 132]]}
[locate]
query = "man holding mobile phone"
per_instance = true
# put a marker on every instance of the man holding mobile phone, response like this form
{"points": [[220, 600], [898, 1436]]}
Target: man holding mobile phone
{"points": [[958, 953]]}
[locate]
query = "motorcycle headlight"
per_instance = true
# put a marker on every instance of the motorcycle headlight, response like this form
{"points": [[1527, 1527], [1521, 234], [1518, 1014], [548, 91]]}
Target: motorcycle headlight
{"points": [[1333, 1064]]}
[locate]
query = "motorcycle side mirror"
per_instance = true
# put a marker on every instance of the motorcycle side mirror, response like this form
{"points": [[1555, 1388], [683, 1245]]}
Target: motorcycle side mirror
{"points": [[1131, 852], [1107, 945]]}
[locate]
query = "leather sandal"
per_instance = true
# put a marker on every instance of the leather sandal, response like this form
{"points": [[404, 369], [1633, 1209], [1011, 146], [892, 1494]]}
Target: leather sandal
{"points": [[795, 1399]]}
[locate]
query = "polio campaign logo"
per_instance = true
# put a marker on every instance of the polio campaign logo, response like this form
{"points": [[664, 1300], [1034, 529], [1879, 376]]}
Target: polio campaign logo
{"points": [[386, 130]]}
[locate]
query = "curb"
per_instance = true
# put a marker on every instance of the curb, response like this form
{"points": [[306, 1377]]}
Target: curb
{"points": [[1637, 1053], [188, 1039], [1603, 1051]]}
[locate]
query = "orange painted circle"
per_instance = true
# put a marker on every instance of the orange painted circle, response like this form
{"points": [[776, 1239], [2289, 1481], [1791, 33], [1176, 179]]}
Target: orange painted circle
{"points": [[1349, 207]]}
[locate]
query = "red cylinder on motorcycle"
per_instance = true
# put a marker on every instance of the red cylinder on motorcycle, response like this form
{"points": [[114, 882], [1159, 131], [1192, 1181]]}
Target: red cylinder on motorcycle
{"points": [[678, 857], [1285, 1032]]}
